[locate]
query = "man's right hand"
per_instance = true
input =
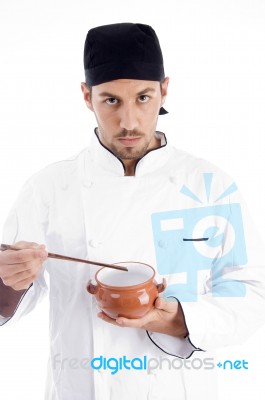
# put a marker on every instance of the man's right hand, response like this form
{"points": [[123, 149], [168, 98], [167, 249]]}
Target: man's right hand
{"points": [[19, 268]]}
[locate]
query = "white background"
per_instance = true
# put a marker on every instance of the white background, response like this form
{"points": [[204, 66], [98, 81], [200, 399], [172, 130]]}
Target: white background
{"points": [[214, 55]]}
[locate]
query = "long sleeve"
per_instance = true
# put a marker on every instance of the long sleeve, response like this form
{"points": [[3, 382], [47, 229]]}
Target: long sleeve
{"points": [[25, 223], [218, 251], [232, 306]]}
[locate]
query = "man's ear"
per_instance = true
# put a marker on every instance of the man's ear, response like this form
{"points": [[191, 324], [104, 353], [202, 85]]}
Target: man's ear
{"points": [[164, 87], [87, 96]]}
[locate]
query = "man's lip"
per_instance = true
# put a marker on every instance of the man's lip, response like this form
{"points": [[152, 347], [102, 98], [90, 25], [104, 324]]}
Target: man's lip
{"points": [[129, 137], [129, 140]]}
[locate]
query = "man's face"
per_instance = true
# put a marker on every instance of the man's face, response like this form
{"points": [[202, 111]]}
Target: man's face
{"points": [[126, 112]]}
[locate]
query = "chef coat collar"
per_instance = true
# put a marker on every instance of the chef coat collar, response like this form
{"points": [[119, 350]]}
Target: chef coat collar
{"points": [[108, 162]]}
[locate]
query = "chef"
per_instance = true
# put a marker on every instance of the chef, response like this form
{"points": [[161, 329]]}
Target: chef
{"points": [[132, 196]]}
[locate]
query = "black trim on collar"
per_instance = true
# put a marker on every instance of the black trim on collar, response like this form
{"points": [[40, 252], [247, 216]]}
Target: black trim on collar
{"points": [[95, 130], [149, 151]]}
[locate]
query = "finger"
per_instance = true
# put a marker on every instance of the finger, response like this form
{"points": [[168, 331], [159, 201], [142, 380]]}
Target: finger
{"points": [[169, 306], [122, 322], [128, 323], [106, 318], [7, 271], [27, 245], [16, 279], [10, 257], [22, 285], [136, 322]]}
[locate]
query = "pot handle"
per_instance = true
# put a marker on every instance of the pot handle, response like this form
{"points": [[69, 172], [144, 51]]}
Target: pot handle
{"points": [[91, 288], [161, 286]]}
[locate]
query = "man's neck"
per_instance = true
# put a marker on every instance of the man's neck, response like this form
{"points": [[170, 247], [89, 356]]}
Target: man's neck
{"points": [[130, 165]]}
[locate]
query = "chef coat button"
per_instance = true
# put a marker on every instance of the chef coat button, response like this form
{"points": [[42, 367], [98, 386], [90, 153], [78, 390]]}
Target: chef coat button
{"points": [[94, 243], [65, 187], [162, 244], [173, 179], [88, 184]]}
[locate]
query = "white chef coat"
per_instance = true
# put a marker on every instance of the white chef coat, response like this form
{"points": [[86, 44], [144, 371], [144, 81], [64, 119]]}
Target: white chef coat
{"points": [[85, 207]]}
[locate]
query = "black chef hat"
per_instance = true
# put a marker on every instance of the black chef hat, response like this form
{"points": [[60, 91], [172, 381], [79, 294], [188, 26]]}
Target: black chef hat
{"points": [[123, 51]]}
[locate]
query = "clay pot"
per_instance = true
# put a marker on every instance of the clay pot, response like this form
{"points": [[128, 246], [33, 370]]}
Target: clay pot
{"points": [[126, 294]]}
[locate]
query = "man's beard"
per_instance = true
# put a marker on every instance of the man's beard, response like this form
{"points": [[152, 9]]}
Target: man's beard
{"points": [[130, 153]]}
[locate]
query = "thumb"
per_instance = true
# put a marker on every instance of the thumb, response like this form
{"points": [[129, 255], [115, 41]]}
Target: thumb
{"points": [[169, 306], [28, 245], [41, 253]]}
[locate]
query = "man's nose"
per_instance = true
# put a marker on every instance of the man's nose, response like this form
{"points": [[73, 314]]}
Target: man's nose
{"points": [[128, 117]]}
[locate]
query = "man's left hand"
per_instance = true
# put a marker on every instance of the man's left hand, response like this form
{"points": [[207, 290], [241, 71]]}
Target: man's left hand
{"points": [[165, 317]]}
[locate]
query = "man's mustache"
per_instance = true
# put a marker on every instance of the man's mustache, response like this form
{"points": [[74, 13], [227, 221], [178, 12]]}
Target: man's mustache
{"points": [[126, 133]]}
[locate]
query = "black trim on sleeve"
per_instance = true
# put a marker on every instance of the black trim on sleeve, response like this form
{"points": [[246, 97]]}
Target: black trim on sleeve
{"points": [[18, 304], [174, 355], [195, 348]]}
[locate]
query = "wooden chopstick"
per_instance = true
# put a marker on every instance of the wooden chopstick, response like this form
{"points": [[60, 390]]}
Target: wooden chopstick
{"points": [[4, 247]]}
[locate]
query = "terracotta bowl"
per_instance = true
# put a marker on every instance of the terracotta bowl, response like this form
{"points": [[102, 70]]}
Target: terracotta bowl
{"points": [[126, 294]]}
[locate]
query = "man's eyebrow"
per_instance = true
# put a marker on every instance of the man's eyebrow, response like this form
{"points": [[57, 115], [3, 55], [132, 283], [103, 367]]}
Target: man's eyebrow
{"points": [[148, 89], [108, 94]]}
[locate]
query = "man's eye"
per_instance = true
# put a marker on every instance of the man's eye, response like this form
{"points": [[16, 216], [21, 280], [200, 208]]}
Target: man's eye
{"points": [[143, 98], [111, 101]]}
